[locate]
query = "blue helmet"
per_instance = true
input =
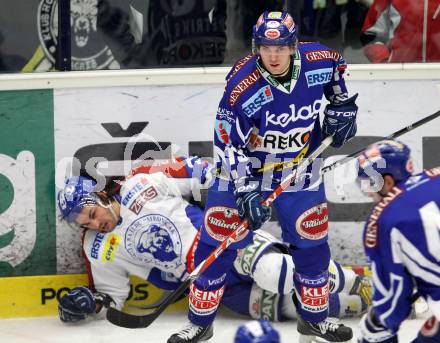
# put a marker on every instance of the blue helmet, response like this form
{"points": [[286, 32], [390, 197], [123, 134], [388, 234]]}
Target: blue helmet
{"points": [[76, 194], [275, 28], [257, 331], [389, 157]]}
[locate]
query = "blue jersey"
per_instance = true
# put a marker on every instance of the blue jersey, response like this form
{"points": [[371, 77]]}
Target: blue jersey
{"points": [[260, 122], [402, 241]]}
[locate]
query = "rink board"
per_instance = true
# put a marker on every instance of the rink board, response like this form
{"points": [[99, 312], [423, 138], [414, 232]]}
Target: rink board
{"points": [[173, 120], [57, 127], [34, 296]]}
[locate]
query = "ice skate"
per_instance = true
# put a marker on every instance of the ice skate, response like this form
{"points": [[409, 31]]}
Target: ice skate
{"points": [[325, 331], [192, 333]]}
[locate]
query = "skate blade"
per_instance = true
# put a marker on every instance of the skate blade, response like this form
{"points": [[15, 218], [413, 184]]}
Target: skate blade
{"points": [[315, 339]]}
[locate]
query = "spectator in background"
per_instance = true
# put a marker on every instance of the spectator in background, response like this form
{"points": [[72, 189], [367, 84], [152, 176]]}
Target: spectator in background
{"points": [[145, 33], [8, 62], [336, 23], [402, 31], [2, 56], [242, 14]]}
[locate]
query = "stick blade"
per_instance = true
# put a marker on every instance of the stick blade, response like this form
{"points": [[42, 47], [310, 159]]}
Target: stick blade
{"points": [[130, 321]]}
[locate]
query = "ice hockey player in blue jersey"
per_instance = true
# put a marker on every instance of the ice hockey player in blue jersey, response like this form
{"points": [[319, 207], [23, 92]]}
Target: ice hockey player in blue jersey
{"points": [[148, 229], [401, 240], [267, 120]]}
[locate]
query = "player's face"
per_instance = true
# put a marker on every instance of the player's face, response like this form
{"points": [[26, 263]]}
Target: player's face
{"points": [[370, 188], [376, 196], [376, 191], [276, 58], [96, 218]]}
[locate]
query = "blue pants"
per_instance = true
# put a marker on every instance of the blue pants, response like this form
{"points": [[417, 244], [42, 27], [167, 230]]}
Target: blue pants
{"points": [[303, 219], [302, 216]]}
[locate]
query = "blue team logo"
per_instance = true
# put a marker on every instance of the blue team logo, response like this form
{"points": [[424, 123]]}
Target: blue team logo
{"points": [[318, 76], [154, 239], [254, 103]]}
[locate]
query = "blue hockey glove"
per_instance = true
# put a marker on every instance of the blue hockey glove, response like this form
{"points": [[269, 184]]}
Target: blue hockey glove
{"points": [[248, 201], [370, 330], [340, 121], [76, 305]]}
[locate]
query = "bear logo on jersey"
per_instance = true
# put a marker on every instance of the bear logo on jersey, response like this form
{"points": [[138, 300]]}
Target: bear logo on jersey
{"points": [[154, 239]]}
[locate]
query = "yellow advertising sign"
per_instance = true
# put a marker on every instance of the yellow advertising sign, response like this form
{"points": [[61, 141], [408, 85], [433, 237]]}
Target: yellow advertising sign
{"points": [[33, 296]]}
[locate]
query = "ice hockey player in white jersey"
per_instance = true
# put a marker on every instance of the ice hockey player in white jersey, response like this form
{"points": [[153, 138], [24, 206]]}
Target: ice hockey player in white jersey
{"points": [[401, 240], [149, 229]]}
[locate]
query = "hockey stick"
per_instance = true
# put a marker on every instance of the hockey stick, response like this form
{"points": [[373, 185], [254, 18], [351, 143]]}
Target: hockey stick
{"points": [[289, 164], [392, 136], [153, 305], [133, 321]]}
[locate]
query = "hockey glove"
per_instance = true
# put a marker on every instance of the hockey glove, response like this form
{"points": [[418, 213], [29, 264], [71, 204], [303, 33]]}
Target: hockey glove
{"points": [[370, 330], [248, 201], [340, 121], [79, 303]]}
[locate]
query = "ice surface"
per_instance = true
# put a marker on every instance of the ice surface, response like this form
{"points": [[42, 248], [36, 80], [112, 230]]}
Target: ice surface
{"points": [[51, 330]]}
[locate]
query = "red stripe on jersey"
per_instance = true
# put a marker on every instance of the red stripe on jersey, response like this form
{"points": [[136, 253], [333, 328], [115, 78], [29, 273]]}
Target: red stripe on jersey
{"points": [[190, 264], [87, 262], [175, 168]]}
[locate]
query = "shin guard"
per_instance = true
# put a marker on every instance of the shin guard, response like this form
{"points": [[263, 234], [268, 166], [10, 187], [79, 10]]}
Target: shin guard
{"points": [[313, 296], [204, 299], [311, 280]]}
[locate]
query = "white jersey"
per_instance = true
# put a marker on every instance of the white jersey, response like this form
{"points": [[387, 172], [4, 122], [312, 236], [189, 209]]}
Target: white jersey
{"points": [[152, 239]]}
